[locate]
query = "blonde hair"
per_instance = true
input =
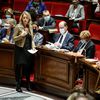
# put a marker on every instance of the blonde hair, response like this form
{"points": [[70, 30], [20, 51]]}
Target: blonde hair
{"points": [[11, 22], [28, 15], [85, 34], [30, 21]]}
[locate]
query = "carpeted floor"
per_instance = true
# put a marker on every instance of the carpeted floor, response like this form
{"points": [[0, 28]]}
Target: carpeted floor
{"points": [[11, 94]]}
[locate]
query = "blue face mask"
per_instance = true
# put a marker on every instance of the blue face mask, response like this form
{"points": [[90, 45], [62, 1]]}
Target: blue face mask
{"points": [[8, 16], [47, 18]]}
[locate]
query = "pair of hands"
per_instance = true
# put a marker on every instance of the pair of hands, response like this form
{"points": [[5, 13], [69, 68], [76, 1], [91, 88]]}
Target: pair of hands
{"points": [[40, 27], [24, 32], [5, 40], [56, 44]]}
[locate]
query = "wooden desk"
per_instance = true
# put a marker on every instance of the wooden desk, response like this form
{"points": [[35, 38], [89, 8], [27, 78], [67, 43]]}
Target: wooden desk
{"points": [[7, 63], [91, 76], [56, 71]]}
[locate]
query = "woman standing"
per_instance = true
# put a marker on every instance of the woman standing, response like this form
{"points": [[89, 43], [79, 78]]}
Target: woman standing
{"points": [[23, 35]]}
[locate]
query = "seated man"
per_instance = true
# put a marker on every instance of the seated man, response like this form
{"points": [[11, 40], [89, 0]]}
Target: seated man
{"points": [[38, 37], [64, 39], [75, 13], [46, 22], [37, 5], [85, 45]]}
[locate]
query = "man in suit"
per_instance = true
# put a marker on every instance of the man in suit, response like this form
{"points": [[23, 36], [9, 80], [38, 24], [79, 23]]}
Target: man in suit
{"points": [[85, 46], [46, 22], [64, 39]]}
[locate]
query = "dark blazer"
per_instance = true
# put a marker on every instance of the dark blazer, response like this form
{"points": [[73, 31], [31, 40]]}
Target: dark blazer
{"points": [[68, 43], [47, 25], [89, 50]]}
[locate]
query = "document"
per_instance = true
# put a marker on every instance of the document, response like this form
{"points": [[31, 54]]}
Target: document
{"points": [[32, 51]]}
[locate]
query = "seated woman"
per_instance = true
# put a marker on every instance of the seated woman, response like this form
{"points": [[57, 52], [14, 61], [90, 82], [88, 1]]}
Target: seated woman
{"points": [[75, 13], [7, 32], [85, 45]]}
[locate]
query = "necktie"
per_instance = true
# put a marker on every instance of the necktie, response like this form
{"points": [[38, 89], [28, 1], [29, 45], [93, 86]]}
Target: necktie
{"points": [[61, 37]]}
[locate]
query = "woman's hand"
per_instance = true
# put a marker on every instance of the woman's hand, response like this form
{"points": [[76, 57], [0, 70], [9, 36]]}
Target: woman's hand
{"points": [[24, 33]]}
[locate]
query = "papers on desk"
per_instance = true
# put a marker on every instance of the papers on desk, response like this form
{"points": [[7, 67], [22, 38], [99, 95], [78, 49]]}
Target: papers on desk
{"points": [[32, 51], [53, 47], [59, 15], [91, 60]]}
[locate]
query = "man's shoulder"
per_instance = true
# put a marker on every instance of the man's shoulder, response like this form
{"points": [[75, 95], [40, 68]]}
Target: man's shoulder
{"points": [[38, 34], [52, 19], [68, 33]]}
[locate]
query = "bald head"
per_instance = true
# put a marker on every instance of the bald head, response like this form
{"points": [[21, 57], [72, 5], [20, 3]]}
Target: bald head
{"points": [[63, 24]]}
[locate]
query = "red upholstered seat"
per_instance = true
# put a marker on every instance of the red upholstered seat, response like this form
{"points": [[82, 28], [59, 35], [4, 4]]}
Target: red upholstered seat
{"points": [[95, 31], [97, 53], [59, 8], [48, 6], [20, 5], [76, 42], [97, 15]]}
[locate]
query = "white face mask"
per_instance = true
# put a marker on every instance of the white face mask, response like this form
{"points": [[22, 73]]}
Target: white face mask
{"points": [[62, 30], [6, 26], [46, 18], [8, 16]]}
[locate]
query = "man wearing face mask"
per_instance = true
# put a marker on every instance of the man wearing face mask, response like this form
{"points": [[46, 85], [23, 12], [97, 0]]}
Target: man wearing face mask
{"points": [[64, 40], [38, 37], [75, 13], [46, 22], [85, 45]]}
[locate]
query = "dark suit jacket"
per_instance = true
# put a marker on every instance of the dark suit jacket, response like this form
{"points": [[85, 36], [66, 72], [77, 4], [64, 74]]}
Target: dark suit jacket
{"points": [[89, 49], [68, 43], [47, 25]]}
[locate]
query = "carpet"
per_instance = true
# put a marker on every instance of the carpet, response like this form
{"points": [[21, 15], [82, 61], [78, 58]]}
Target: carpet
{"points": [[11, 94]]}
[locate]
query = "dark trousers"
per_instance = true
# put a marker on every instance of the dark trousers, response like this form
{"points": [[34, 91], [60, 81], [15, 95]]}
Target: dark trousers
{"points": [[20, 70]]}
